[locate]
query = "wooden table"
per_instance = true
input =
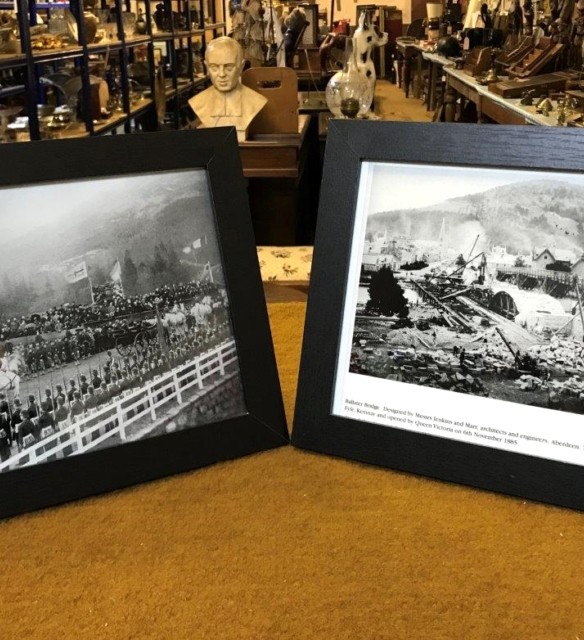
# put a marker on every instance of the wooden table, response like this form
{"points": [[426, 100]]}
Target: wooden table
{"points": [[437, 65], [461, 86], [412, 56], [409, 55], [283, 172]]}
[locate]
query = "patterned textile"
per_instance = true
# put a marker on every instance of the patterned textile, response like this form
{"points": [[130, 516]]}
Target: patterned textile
{"points": [[285, 264]]}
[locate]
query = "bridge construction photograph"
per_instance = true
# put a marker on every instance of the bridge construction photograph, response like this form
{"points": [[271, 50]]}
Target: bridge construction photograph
{"points": [[114, 316], [471, 281]]}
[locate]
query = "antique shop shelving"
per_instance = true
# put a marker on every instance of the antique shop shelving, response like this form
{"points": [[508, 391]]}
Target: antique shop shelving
{"points": [[183, 48], [150, 75]]}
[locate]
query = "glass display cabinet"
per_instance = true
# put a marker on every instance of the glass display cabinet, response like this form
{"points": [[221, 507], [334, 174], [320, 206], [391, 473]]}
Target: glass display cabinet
{"points": [[80, 68]]}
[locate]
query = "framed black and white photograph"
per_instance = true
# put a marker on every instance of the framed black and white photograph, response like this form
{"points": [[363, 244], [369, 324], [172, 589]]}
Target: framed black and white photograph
{"points": [[134, 339], [309, 37], [450, 267]]}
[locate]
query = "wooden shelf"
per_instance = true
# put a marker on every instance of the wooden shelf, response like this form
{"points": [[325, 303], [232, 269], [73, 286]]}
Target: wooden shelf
{"points": [[140, 107], [171, 92], [78, 130], [6, 92], [104, 46], [133, 41], [12, 60], [171, 35], [50, 55], [161, 36], [183, 86], [32, 64], [39, 5]]}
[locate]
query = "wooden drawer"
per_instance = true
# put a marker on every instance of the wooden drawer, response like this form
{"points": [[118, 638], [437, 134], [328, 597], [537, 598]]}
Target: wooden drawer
{"points": [[270, 161], [500, 114], [463, 89]]}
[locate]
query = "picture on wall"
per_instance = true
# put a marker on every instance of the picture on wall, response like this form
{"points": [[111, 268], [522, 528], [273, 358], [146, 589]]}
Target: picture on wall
{"points": [[134, 337], [444, 332]]}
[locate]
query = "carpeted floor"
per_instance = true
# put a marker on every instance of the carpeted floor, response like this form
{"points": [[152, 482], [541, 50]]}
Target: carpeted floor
{"points": [[292, 545]]}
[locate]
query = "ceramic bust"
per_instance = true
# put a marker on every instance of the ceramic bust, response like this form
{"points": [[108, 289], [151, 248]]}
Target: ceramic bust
{"points": [[226, 102]]}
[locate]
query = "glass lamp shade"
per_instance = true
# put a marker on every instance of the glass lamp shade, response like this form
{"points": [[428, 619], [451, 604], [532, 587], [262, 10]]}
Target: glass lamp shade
{"points": [[349, 93]]}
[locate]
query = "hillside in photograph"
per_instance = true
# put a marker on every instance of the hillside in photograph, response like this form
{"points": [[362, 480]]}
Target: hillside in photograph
{"points": [[520, 217]]}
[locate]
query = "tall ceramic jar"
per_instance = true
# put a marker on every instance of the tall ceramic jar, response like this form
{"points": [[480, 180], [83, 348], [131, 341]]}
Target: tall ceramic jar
{"points": [[349, 93]]}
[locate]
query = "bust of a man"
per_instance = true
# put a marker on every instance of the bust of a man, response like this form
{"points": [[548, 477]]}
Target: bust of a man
{"points": [[226, 102]]}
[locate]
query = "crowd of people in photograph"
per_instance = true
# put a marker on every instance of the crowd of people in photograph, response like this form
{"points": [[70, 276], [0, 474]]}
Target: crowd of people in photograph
{"points": [[71, 316], [25, 423], [83, 331]]}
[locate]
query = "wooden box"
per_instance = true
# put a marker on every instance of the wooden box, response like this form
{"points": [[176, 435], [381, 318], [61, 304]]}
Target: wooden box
{"points": [[542, 84], [478, 61]]}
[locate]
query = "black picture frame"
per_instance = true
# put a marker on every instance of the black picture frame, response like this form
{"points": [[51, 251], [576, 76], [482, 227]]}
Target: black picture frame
{"points": [[316, 427], [263, 426]]}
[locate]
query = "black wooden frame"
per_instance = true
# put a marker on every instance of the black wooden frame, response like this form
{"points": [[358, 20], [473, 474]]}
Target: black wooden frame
{"points": [[264, 426], [315, 427]]}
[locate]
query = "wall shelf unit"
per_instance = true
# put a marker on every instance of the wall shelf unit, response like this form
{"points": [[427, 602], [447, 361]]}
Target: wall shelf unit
{"points": [[71, 69]]}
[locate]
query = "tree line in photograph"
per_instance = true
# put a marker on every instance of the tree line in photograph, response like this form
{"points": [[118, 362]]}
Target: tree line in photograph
{"points": [[21, 294]]}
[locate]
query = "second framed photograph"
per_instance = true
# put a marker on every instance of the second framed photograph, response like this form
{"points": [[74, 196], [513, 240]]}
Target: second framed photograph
{"points": [[134, 339], [444, 333]]}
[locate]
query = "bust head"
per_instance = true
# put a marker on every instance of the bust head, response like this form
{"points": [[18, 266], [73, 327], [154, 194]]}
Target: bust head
{"points": [[224, 61], [227, 103]]}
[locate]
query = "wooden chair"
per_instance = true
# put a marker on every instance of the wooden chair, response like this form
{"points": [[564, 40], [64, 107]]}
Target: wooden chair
{"points": [[280, 86]]}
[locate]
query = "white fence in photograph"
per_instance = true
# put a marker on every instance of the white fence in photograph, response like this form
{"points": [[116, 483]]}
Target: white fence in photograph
{"points": [[113, 419]]}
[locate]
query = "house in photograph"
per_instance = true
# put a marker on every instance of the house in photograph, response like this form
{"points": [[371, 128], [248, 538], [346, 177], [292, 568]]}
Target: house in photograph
{"points": [[377, 243], [374, 261], [578, 267], [499, 256], [554, 259]]}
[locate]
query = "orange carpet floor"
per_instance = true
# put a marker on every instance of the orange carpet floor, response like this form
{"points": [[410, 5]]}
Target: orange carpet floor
{"points": [[293, 545]]}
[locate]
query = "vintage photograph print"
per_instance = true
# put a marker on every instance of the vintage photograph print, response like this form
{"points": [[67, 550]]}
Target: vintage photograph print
{"points": [[446, 306], [124, 327], [114, 322], [470, 285]]}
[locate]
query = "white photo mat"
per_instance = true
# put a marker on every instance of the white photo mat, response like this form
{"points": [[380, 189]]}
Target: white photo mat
{"points": [[520, 428]]}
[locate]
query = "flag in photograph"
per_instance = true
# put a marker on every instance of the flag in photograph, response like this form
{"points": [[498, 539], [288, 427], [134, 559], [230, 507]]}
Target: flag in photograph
{"points": [[75, 271], [106, 293], [116, 272], [76, 276], [207, 271], [199, 242]]}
